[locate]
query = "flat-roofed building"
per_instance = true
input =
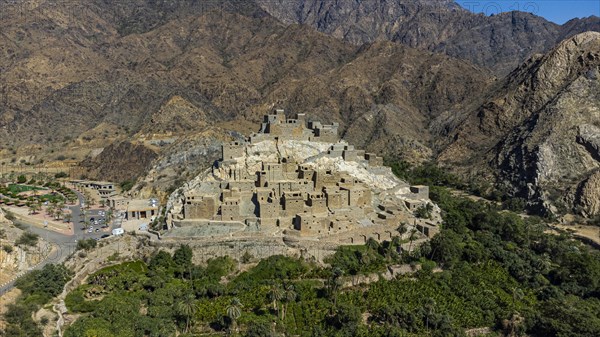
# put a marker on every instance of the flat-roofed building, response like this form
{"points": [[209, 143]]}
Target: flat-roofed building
{"points": [[141, 209]]}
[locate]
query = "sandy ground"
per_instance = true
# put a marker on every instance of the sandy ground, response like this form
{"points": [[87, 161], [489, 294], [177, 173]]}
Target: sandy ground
{"points": [[590, 232], [40, 219]]}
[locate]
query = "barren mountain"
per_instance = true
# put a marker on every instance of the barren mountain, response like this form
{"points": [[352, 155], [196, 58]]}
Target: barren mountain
{"points": [[175, 69], [537, 131], [500, 42]]}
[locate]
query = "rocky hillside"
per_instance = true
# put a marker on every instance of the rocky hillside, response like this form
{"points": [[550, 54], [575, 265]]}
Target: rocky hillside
{"points": [[173, 69], [537, 131], [500, 42], [120, 161], [16, 257]]}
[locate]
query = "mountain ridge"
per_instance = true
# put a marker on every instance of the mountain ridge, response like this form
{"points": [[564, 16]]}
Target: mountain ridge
{"points": [[500, 42], [531, 131]]}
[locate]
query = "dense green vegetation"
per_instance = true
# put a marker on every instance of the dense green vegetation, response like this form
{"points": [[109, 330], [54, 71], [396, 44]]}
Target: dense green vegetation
{"points": [[86, 244], [37, 288], [499, 270], [52, 192], [432, 175], [126, 185], [17, 188]]}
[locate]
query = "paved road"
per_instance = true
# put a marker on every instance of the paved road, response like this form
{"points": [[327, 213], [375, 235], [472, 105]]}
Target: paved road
{"points": [[63, 245]]}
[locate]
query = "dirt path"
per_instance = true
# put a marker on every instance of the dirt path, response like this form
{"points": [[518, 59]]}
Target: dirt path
{"points": [[591, 233], [463, 194]]}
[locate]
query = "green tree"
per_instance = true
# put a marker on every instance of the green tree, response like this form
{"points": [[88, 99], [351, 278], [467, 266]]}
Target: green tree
{"points": [[276, 294], [424, 212], [187, 308], [334, 282], [413, 236], [402, 228], [234, 312], [182, 258], [35, 206], [290, 296]]}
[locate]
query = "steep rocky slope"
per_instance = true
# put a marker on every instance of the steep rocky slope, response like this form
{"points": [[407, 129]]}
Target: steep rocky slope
{"points": [[537, 131], [119, 161], [499, 42], [16, 259]]}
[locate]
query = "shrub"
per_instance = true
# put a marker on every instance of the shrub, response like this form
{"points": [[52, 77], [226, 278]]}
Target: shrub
{"points": [[27, 239], [86, 244], [8, 215], [126, 185]]}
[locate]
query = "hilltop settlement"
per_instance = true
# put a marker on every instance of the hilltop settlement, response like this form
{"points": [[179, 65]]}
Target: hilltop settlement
{"points": [[296, 179]]}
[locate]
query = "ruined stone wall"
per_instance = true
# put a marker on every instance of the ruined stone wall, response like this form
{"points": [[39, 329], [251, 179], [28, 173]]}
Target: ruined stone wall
{"points": [[205, 208], [232, 150], [230, 211]]}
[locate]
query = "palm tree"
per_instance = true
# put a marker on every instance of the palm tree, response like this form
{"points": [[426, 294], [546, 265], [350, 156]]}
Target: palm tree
{"points": [[109, 217], [276, 294], [50, 209], [35, 206], [402, 229], [58, 212], [290, 296], [517, 296], [372, 244], [71, 198], [334, 283], [87, 199], [413, 236], [187, 308], [234, 312], [429, 310]]}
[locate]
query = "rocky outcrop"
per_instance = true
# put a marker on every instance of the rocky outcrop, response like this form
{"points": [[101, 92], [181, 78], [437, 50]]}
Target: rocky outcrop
{"points": [[14, 259], [179, 162], [589, 136], [588, 196], [537, 131], [119, 162]]}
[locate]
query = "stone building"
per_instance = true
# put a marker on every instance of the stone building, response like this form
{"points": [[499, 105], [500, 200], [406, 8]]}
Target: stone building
{"points": [[282, 193]]}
